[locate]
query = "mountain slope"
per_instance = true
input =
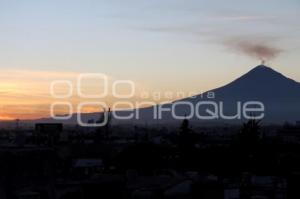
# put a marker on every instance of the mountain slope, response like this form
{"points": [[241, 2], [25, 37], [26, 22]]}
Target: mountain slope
{"points": [[261, 82], [279, 94]]}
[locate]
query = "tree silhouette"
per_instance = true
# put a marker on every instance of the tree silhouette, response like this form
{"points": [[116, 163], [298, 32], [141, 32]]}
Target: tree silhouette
{"points": [[249, 139], [184, 128], [250, 132]]}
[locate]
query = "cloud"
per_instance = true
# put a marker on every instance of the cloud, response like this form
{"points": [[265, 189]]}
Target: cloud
{"points": [[251, 35], [261, 49], [242, 18], [253, 45]]}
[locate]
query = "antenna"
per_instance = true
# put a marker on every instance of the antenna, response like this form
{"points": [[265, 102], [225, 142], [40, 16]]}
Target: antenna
{"points": [[17, 123], [263, 62]]}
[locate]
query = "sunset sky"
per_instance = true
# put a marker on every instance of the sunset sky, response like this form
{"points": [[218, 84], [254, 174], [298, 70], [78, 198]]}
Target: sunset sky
{"points": [[187, 46]]}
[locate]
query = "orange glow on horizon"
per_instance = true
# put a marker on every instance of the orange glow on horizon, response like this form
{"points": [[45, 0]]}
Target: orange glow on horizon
{"points": [[6, 118], [26, 95]]}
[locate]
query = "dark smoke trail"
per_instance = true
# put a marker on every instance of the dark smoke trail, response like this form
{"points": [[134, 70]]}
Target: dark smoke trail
{"points": [[257, 49]]}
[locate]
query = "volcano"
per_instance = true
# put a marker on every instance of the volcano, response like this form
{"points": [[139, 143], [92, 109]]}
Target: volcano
{"points": [[279, 94]]}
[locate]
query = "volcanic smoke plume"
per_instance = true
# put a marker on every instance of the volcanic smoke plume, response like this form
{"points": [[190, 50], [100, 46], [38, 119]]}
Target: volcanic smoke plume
{"points": [[256, 49]]}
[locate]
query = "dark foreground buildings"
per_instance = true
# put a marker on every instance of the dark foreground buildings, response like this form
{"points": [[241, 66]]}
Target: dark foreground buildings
{"points": [[52, 162]]}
